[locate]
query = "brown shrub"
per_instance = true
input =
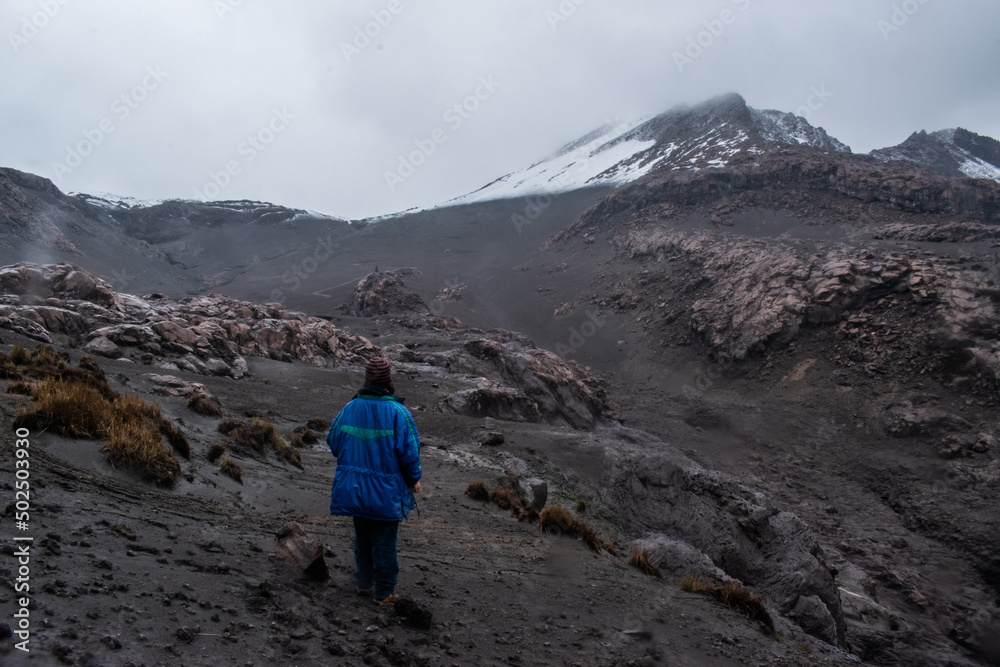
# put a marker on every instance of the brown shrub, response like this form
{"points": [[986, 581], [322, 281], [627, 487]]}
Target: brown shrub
{"points": [[507, 496], [87, 363], [232, 468], [529, 514], [85, 377], [133, 407], [45, 357], [20, 387], [204, 405], [505, 499], [19, 356], [731, 594], [478, 491], [559, 521], [296, 440], [137, 444], [79, 403], [321, 425], [259, 434], [288, 453], [306, 435], [72, 410], [639, 558], [175, 437], [227, 426], [554, 520], [215, 451]]}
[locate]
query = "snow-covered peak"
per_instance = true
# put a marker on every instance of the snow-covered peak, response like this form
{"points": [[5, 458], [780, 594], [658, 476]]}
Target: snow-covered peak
{"points": [[113, 202], [952, 152], [601, 157], [705, 136], [787, 128]]}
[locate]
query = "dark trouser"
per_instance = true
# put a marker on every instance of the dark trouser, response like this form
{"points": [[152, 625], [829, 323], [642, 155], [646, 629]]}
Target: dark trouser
{"points": [[375, 555]]}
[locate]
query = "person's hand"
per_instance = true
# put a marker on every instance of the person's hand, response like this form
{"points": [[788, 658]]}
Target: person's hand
{"points": [[416, 487]]}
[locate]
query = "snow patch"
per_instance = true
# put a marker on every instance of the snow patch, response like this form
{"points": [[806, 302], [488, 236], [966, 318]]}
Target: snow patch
{"points": [[113, 202], [977, 168], [603, 157]]}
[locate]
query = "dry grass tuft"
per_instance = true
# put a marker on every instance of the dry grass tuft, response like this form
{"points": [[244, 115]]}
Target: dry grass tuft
{"points": [[20, 387], [639, 558], [478, 491], [559, 521], [554, 520], [135, 407], [79, 403], [260, 436], [232, 468], [72, 410], [176, 438], [227, 426], [19, 356], [296, 440], [215, 451], [505, 499], [306, 435], [137, 444], [204, 405], [288, 453], [731, 594], [321, 425]]}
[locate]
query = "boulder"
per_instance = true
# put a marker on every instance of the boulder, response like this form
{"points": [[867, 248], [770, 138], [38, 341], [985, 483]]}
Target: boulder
{"points": [[103, 347], [385, 294]]}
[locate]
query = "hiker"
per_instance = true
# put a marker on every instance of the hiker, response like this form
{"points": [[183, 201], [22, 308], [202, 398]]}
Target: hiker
{"points": [[377, 449]]}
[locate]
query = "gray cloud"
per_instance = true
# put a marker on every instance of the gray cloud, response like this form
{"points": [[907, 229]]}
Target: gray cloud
{"points": [[346, 118]]}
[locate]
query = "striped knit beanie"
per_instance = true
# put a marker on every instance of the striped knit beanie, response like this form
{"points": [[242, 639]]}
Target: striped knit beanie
{"points": [[377, 371]]}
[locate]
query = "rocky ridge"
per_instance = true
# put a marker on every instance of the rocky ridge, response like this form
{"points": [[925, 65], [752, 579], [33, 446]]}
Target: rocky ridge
{"points": [[757, 295], [512, 379], [955, 153], [209, 335], [507, 376]]}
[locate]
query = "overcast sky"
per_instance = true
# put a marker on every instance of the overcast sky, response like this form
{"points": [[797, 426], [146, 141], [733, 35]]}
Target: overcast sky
{"points": [[150, 98]]}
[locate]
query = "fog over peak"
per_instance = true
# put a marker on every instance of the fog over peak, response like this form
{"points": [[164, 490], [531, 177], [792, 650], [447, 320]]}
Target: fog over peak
{"points": [[313, 105]]}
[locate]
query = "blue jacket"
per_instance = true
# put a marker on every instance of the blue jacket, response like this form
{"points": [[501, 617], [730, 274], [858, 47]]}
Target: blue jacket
{"points": [[378, 459]]}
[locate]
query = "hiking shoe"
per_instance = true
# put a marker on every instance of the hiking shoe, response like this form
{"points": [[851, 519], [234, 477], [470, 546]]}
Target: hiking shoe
{"points": [[366, 592], [388, 600]]}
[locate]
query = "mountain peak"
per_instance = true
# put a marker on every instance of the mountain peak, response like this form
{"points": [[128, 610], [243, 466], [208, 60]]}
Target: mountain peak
{"points": [[954, 153], [685, 138]]}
